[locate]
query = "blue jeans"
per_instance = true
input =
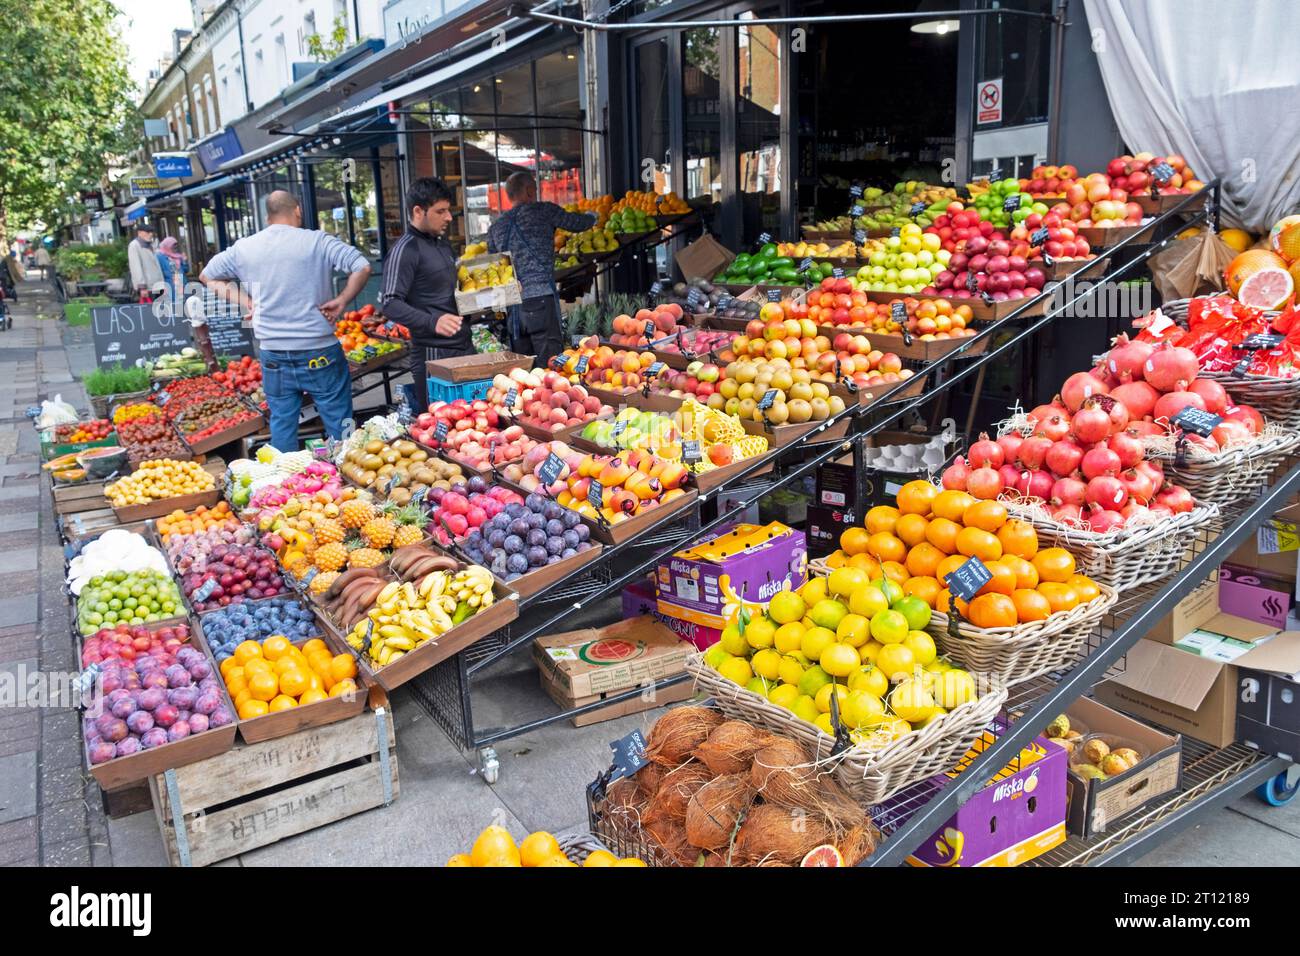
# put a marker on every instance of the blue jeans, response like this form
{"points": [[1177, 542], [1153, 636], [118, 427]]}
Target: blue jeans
{"points": [[321, 374]]}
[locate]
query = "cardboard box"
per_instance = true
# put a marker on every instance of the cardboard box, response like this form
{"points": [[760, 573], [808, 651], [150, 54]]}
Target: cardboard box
{"points": [[704, 258], [596, 661], [1275, 547], [494, 298], [1268, 696], [1018, 815], [1255, 594], [837, 485], [1189, 613], [640, 598], [752, 562], [633, 705], [1096, 805], [824, 527]]}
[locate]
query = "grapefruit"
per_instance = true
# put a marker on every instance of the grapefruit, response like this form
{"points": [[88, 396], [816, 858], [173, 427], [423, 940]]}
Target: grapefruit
{"points": [[824, 855], [1279, 227], [1267, 289], [1287, 243], [1247, 264]]}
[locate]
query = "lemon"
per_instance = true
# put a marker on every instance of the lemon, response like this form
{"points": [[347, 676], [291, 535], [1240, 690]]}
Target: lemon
{"points": [[895, 660], [715, 655], [868, 601], [840, 660], [786, 606], [759, 686], [844, 581], [862, 709], [869, 651], [766, 664], [736, 670], [922, 647], [733, 642], [916, 612], [805, 709], [935, 713], [813, 590], [815, 641], [760, 632], [790, 670], [813, 680], [853, 629], [893, 591], [871, 679], [911, 701], [823, 723], [828, 613], [954, 688], [784, 695], [823, 698], [889, 627], [789, 637]]}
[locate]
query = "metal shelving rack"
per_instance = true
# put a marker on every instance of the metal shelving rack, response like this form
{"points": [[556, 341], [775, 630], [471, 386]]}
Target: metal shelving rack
{"points": [[1210, 777]]}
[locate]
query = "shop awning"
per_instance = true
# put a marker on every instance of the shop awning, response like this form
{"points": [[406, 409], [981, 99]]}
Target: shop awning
{"points": [[212, 185]]}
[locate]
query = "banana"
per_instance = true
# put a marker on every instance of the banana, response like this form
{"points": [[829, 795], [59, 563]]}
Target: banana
{"points": [[408, 594], [487, 599], [404, 643], [393, 630], [388, 592]]}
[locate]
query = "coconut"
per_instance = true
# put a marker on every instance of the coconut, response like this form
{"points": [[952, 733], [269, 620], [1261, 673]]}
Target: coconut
{"points": [[783, 775], [680, 731], [676, 789], [731, 747], [715, 808], [670, 836], [648, 778], [857, 844], [773, 833], [624, 796], [784, 756]]}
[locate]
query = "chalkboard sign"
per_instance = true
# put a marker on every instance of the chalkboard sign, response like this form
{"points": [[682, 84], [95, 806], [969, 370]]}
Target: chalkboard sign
{"points": [[128, 333], [1038, 237], [557, 362], [837, 272], [595, 495], [1161, 172], [690, 451], [694, 298], [1262, 340], [855, 211], [898, 312], [855, 190], [649, 331], [773, 295], [512, 396], [966, 580], [629, 755], [582, 364], [619, 425], [653, 369], [656, 287], [768, 398], [226, 328], [440, 430], [806, 264], [549, 472], [895, 232], [204, 590], [972, 283], [1196, 420], [763, 239], [724, 301], [859, 236], [1011, 203]]}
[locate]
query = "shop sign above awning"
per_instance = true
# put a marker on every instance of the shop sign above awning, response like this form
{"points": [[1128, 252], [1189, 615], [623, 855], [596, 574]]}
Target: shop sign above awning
{"points": [[175, 165], [219, 148]]}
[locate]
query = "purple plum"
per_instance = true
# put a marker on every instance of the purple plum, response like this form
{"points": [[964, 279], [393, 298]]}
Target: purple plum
{"points": [[139, 722]]}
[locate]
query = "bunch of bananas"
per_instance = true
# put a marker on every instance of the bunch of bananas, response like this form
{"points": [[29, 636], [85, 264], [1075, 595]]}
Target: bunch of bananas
{"points": [[485, 277], [405, 615]]}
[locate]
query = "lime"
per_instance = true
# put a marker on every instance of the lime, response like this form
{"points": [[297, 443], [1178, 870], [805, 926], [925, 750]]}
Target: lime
{"points": [[889, 627], [813, 680], [828, 613], [759, 686], [916, 611]]}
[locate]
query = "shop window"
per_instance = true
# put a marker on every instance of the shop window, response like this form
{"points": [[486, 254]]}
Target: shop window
{"points": [[559, 123], [516, 130], [651, 159], [1019, 50], [478, 105], [702, 113], [758, 126]]}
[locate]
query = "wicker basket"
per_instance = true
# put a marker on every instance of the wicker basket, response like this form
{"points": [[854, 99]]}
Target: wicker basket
{"points": [[578, 846], [818, 568], [869, 775], [1016, 654], [1226, 477], [1126, 557]]}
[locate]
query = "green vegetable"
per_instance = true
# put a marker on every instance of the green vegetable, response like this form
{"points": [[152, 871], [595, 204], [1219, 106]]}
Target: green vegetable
{"points": [[116, 380]]}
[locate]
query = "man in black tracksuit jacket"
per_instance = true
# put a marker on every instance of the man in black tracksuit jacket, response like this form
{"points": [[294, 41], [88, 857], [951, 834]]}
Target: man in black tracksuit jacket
{"points": [[419, 289]]}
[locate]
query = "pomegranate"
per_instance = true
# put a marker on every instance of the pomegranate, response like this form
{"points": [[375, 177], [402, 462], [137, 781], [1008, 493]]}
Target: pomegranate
{"points": [[1215, 395], [1144, 426], [1102, 520], [1138, 485], [985, 452], [1033, 451], [1068, 491], [1044, 411], [984, 483], [1133, 510], [1126, 358], [1035, 484], [1176, 498], [1170, 368], [1099, 460], [1228, 433], [1090, 424], [1128, 446], [1153, 470], [1063, 457], [1138, 397], [1247, 415], [1054, 427], [1107, 491], [1010, 473], [1171, 403], [1067, 513], [1118, 412], [955, 475], [1010, 443], [1080, 387]]}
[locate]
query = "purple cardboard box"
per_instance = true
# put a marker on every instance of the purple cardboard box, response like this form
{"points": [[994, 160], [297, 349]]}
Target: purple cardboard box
{"points": [[1254, 594], [639, 598], [752, 562], [1019, 815]]}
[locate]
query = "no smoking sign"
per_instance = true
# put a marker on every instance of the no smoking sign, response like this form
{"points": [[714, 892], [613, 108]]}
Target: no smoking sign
{"points": [[988, 101]]}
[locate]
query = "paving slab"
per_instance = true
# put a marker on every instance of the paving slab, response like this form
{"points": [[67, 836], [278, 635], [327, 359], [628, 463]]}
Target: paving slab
{"points": [[1225, 838], [17, 786]]}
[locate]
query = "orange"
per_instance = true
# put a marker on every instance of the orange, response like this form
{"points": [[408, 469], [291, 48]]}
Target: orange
{"points": [[985, 515], [894, 571], [345, 686], [294, 682], [315, 644], [599, 858], [253, 708], [538, 847], [495, 847], [311, 696], [559, 859], [977, 543], [951, 504], [275, 647], [1026, 574], [314, 681], [1054, 564], [343, 666], [886, 547], [247, 650], [1061, 597], [286, 663], [854, 541], [460, 859], [1018, 538], [1085, 587], [942, 533], [257, 665], [1030, 605], [867, 563], [926, 588], [263, 686], [233, 687], [948, 565], [630, 861], [992, 610], [923, 560], [915, 497], [282, 702], [895, 660], [881, 518], [226, 666], [1003, 580], [240, 697], [911, 529]]}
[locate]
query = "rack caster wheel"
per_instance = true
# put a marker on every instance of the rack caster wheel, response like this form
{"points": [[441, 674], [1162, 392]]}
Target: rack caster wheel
{"points": [[1278, 792], [489, 767]]}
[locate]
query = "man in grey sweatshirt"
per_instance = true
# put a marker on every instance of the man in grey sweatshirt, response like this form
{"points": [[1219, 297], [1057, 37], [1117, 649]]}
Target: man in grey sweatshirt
{"points": [[283, 276]]}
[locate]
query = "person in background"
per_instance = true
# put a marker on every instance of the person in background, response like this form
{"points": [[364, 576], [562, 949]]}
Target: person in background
{"points": [[284, 276], [44, 262], [527, 232], [419, 288], [174, 267], [146, 274]]}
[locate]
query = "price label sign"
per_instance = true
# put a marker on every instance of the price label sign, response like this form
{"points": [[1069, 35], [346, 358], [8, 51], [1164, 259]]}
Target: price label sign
{"points": [[629, 755], [1161, 172], [595, 495], [725, 300], [773, 295], [967, 579], [995, 174], [898, 312], [557, 362], [1262, 341], [895, 232], [653, 369], [1011, 203], [512, 396], [204, 591], [1241, 368], [855, 191], [1038, 236], [859, 236], [855, 210], [837, 272], [971, 282], [619, 425], [649, 331], [417, 497], [162, 398], [440, 430], [550, 470], [763, 239], [693, 299], [310, 576], [768, 398], [690, 451], [656, 287], [1197, 421], [916, 210], [582, 364], [370, 351], [806, 264]]}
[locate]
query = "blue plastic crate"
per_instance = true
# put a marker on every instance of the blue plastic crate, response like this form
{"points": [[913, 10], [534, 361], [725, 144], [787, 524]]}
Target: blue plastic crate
{"points": [[440, 391]]}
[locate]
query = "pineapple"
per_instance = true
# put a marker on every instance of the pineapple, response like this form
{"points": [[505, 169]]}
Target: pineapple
{"points": [[410, 519], [365, 558], [322, 581], [356, 513], [329, 531], [331, 557], [407, 534], [379, 532]]}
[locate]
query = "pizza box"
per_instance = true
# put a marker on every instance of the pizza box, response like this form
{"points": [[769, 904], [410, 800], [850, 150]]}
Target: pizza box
{"points": [[606, 660]]}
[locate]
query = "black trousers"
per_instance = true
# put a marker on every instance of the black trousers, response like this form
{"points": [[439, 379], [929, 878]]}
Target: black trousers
{"points": [[420, 375], [540, 333]]}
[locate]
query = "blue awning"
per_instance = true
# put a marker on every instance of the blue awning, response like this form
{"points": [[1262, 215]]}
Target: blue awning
{"points": [[212, 185]]}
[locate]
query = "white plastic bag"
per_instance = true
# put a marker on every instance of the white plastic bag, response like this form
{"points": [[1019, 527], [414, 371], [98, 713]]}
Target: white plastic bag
{"points": [[55, 412]]}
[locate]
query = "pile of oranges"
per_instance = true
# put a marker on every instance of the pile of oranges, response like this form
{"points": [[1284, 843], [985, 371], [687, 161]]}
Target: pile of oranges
{"points": [[199, 520], [932, 531], [495, 847], [276, 675]]}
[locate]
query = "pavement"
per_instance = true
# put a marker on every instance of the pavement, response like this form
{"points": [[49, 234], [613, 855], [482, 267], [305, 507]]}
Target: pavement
{"points": [[51, 811]]}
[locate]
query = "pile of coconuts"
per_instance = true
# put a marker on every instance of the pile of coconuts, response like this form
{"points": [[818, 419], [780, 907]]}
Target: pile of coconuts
{"points": [[720, 792]]}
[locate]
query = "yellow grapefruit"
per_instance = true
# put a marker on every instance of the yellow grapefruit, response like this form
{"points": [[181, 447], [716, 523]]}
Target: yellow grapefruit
{"points": [[1247, 264], [1267, 289], [1287, 243], [1279, 227]]}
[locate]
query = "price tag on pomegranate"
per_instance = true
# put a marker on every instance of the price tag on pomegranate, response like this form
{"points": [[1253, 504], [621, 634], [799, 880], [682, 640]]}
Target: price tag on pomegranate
{"points": [[967, 579], [550, 470], [971, 282], [916, 210], [1038, 236], [1197, 421], [629, 756], [440, 430], [595, 495], [768, 398], [582, 364], [204, 591], [1161, 172], [690, 451], [1261, 341], [1011, 203]]}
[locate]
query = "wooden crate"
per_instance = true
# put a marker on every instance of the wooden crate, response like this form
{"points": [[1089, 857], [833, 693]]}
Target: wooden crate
{"points": [[258, 794]]}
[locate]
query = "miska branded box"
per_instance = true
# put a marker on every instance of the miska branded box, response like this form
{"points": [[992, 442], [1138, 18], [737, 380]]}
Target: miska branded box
{"points": [[1268, 696], [1018, 815], [602, 660], [640, 598], [1255, 594], [751, 562]]}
